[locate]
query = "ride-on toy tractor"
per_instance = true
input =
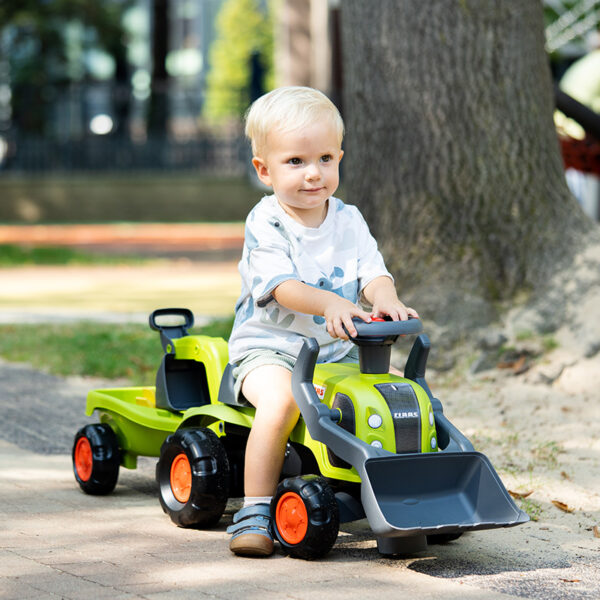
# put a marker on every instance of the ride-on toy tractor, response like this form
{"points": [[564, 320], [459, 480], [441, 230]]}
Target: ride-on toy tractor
{"points": [[368, 444]]}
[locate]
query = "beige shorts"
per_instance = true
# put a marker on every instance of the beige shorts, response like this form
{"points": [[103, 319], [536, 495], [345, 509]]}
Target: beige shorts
{"points": [[262, 357]]}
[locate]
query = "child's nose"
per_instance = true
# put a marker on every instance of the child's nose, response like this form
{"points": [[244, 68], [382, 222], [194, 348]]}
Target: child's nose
{"points": [[313, 172]]}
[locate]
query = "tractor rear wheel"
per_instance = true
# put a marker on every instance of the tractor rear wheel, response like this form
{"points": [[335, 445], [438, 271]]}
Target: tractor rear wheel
{"points": [[305, 516], [193, 477], [96, 459]]}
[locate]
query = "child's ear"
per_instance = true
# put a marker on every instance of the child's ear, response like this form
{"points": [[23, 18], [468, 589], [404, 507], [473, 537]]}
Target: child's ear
{"points": [[261, 170], [341, 155]]}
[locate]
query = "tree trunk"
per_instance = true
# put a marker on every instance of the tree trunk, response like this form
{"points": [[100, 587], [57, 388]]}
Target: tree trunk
{"points": [[452, 153]]}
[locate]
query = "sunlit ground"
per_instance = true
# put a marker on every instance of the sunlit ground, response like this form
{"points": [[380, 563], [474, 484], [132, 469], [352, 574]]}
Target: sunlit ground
{"points": [[208, 289]]}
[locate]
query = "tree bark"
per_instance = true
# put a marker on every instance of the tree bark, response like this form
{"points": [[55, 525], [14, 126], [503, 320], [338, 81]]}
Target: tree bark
{"points": [[451, 151]]}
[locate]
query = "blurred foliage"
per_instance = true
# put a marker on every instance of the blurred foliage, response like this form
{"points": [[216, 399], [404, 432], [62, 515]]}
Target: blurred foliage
{"points": [[241, 54], [13, 256], [570, 22], [130, 351], [43, 42]]}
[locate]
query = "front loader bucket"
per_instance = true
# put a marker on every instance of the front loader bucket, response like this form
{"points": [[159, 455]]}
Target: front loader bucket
{"points": [[435, 493]]}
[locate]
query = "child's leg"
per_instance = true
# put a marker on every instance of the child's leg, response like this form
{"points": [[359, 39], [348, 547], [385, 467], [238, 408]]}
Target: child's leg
{"points": [[268, 388]]}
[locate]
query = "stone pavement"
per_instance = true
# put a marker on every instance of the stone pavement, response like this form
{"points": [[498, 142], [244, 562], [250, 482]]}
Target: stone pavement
{"points": [[57, 542]]}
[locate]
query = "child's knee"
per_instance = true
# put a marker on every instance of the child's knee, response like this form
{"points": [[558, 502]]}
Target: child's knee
{"points": [[280, 406]]}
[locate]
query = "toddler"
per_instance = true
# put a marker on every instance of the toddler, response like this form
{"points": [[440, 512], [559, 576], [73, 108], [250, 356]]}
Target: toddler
{"points": [[308, 259]]}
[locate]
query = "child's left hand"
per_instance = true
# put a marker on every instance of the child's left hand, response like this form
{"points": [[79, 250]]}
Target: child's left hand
{"points": [[382, 294], [397, 311]]}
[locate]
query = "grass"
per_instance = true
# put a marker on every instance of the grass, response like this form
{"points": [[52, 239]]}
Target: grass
{"points": [[549, 343], [532, 508], [13, 256], [130, 352], [546, 454]]}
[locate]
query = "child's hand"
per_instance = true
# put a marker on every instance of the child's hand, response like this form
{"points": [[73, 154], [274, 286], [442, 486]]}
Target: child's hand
{"points": [[384, 299], [338, 313], [395, 309]]}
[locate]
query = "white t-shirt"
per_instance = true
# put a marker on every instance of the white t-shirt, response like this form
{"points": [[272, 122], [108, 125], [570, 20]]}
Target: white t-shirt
{"points": [[340, 255]]}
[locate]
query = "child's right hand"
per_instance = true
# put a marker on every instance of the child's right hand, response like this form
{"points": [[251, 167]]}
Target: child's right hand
{"points": [[338, 314]]}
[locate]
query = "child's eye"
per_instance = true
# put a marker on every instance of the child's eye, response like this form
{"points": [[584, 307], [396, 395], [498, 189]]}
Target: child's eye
{"points": [[295, 161], [326, 158]]}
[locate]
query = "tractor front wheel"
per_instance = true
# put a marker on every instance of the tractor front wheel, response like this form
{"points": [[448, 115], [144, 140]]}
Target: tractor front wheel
{"points": [[442, 538], [96, 459], [193, 477], [305, 516]]}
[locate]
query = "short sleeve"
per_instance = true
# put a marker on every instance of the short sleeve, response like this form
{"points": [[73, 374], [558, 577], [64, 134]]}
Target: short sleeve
{"points": [[268, 259], [370, 262]]}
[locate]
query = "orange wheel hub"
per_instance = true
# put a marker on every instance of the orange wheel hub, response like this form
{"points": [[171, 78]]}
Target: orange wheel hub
{"points": [[291, 518], [84, 460], [181, 478]]}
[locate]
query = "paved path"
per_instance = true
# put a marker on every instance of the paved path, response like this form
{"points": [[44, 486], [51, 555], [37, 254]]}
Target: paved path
{"points": [[56, 542], [59, 543]]}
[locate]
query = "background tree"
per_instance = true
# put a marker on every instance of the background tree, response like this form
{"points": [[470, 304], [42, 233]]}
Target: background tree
{"points": [[34, 42], [452, 152], [243, 48]]}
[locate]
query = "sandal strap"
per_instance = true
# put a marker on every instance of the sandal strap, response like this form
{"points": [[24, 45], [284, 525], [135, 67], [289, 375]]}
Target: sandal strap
{"points": [[252, 519], [251, 511]]}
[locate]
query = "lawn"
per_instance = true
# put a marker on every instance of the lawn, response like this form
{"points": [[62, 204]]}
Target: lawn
{"points": [[130, 352], [12, 255]]}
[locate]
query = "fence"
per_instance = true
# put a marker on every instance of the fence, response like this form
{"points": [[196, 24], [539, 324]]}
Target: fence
{"points": [[216, 155]]}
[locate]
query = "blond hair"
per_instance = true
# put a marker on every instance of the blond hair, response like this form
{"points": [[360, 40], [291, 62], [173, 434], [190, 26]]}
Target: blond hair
{"points": [[289, 109]]}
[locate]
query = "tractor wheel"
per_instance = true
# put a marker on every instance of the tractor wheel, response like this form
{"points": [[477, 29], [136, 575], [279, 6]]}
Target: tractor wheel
{"points": [[96, 459], [193, 477], [305, 516]]}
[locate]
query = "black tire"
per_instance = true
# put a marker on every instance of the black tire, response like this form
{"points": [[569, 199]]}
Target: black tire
{"points": [[96, 459], [305, 516], [442, 538], [202, 502]]}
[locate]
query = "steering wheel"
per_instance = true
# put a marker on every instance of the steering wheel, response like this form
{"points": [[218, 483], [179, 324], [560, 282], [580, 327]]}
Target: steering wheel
{"points": [[382, 332]]}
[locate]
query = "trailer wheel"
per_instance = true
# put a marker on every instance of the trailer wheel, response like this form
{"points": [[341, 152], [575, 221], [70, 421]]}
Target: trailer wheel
{"points": [[305, 516], [96, 459], [193, 477]]}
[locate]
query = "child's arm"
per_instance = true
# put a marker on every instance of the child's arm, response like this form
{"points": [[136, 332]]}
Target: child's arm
{"points": [[381, 293], [338, 311]]}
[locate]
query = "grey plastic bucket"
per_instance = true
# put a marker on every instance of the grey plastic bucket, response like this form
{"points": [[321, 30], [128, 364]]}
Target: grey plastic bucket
{"points": [[433, 493]]}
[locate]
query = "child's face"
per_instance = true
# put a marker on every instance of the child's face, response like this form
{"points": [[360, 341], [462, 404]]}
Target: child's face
{"points": [[303, 169]]}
